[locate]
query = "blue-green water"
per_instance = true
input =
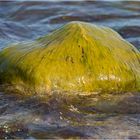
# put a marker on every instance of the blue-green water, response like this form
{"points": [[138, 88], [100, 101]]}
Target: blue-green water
{"points": [[115, 116]]}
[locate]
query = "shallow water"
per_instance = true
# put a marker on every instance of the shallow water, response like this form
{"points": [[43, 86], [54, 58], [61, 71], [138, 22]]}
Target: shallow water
{"points": [[61, 115]]}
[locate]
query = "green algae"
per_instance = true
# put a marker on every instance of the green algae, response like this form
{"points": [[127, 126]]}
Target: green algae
{"points": [[78, 57]]}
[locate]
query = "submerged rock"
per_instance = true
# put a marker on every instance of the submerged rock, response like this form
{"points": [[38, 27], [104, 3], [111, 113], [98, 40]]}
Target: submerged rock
{"points": [[77, 57]]}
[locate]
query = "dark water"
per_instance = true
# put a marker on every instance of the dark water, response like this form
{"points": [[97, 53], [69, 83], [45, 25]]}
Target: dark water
{"points": [[115, 116]]}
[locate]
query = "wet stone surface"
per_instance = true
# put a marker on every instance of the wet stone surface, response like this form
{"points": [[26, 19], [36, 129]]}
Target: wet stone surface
{"points": [[111, 116]]}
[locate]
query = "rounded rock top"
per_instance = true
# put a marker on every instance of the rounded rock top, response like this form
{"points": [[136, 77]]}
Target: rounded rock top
{"points": [[79, 56]]}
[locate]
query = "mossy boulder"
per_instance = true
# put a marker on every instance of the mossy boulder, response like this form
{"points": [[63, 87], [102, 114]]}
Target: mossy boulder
{"points": [[77, 57]]}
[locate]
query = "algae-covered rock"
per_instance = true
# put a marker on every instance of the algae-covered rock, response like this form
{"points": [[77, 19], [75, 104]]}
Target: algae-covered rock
{"points": [[77, 57]]}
